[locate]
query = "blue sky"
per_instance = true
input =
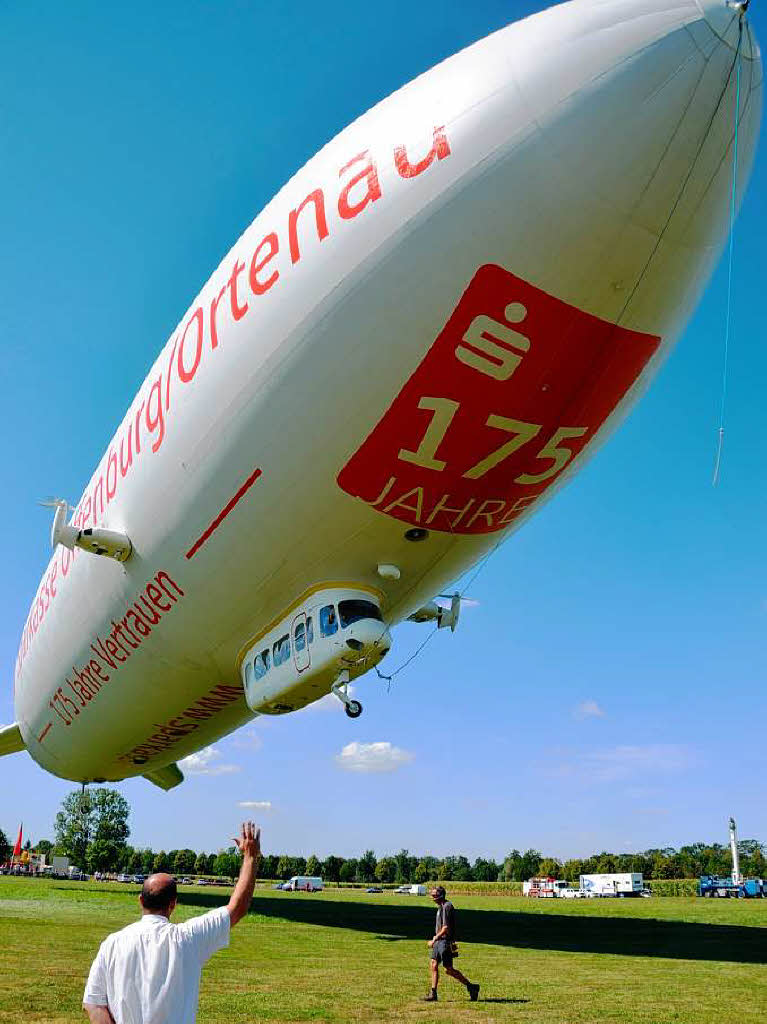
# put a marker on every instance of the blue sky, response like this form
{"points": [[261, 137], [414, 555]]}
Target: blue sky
{"points": [[607, 688]]}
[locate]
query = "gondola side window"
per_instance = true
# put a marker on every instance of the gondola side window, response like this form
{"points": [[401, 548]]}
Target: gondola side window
{"points": [[281, 650], [353, 610], [248, 672], [299, 636], [309, 630], [328, 620], [261, 664]]}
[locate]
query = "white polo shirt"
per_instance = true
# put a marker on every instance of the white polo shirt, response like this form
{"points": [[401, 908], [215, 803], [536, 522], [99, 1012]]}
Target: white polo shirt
{"points": [[149, 973]]}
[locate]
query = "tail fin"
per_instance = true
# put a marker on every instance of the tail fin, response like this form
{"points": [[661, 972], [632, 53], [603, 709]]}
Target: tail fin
{"points": [[10, 739], [167, 777]]}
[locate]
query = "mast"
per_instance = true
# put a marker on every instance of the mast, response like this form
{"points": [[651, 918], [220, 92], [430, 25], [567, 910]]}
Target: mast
{"points": [[734, 847]]}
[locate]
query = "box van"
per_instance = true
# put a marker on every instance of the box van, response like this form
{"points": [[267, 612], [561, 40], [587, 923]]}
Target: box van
{"points": [[304, 883]]}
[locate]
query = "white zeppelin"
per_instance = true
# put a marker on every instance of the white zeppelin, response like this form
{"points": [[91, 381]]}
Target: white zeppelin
{"points": [[425, 333]]}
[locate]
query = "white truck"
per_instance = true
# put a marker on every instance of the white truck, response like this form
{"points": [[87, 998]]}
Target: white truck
{"points": [[304, 883], [628, 883], [544, 888]]}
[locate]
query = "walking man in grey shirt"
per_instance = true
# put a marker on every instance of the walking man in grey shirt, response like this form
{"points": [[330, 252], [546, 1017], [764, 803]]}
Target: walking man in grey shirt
{"points": [[149, 973], [441, 947]]}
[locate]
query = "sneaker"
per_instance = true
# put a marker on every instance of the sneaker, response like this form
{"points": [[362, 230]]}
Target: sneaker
{"points": [[473, 992], [431, 998]]}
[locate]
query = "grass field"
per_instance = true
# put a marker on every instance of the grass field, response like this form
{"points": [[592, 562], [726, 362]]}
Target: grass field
{"points": [[348, 956]]}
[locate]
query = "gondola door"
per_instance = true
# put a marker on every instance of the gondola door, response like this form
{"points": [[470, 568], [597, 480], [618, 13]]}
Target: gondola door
{"points": [[301, 653]]}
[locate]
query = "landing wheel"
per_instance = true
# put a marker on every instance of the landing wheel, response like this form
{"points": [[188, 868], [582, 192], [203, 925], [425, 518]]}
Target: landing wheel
{"points": [[353, 709]]}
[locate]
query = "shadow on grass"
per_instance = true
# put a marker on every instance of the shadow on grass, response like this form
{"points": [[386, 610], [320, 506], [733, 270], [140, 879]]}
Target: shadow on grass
{"points": [[625, 936]]}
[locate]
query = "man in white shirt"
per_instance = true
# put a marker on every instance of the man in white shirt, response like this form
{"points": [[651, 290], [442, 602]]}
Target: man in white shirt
{"points": [[149, 973]]}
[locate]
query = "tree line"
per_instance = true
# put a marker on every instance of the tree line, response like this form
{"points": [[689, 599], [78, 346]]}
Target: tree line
{"points": [[91, 829]]}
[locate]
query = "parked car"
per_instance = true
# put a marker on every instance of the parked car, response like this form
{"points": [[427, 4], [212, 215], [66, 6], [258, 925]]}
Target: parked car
{"points": [[203, 881], [402, 888], [646, 893], [374, 888], [139, 879], [123, 878], [185, 881]]}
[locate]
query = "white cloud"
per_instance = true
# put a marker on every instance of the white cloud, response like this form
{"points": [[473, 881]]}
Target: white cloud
{"points": [[589, 709], [203, 763], [248, 739], [256, 805], [624, 763], [372, 757]]}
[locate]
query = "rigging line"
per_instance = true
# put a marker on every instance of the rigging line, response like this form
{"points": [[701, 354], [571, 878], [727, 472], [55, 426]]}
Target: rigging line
{"points": [[685, 183], [412, 657], [720, 439]]}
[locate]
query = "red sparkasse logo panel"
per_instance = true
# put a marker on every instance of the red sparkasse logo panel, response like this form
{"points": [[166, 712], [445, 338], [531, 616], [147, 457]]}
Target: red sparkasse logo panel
{"points": [[514, 387]]}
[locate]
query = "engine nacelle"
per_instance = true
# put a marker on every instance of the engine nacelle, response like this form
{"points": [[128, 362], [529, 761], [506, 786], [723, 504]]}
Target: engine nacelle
{"points": [[444, 616], [95, 540], [296, 662]]}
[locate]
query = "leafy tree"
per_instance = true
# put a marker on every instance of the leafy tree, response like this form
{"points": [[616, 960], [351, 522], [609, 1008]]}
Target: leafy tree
{"points": [[44, 846], [112, 811], [5, 847], [512, 867], [443, 870], [572, 870], [483, 871], [313, 866], [184, 861], [102, 855], [201, 864], [550, 868], [269, 866], [123, 859], [136, 863], [161, 862], [459, 868], [91, 815], [75, 826], [366, 866], [331, 868], [386, 869], [531, 862], [348, 872], [285, 867], [421, 873], [403, 872], [147, 861], [227, 864], [28, 845]]}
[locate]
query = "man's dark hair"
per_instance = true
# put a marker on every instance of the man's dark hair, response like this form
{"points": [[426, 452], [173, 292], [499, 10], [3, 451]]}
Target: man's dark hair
{"points": [[440, 891], [158, 897]]}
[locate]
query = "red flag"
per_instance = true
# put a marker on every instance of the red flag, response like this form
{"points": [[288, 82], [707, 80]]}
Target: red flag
{"points": [[17, 847]]}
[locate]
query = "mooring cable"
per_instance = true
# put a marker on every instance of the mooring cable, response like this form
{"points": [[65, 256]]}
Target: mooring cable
{"points": [[728, 317]]}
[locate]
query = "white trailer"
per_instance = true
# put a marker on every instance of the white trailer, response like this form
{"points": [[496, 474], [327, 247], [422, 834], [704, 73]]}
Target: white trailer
{"points": [[60, 866], [628, 883]]}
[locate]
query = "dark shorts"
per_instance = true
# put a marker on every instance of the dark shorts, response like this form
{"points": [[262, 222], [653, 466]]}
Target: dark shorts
{"points": [[442, 953]]}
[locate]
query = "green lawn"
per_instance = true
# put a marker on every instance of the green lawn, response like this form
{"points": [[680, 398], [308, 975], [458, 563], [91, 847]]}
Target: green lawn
{"points": [[348, 956]]}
